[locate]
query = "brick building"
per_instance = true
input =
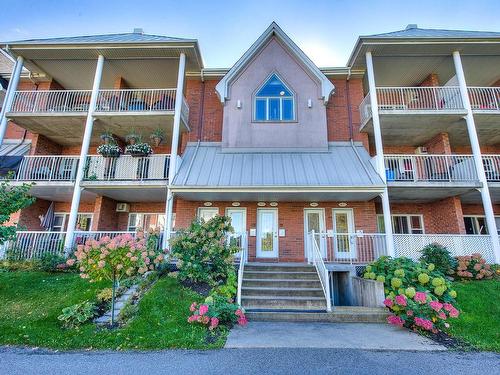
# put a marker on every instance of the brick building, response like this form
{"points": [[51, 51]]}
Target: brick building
{"points": [[394, 151]]}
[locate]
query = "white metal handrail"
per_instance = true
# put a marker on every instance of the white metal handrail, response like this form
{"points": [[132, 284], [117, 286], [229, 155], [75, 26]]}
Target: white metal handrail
{"points": [[491, 165], [185, 110], [47, 101], [484, 98], [351, 248], [365, 109], [127, 168], [243, 257], [34, 244], [136, 100], [433, 168], [316, 258], [47, 168]]}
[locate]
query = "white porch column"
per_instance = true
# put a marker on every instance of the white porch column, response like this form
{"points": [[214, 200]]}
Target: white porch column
{"points": [[478, 160], [379, 149], [172, 169], [75, 203], [9, 95]]}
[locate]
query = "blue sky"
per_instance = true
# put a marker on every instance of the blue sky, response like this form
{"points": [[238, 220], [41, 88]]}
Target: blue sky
{"points": [[325, 30]]}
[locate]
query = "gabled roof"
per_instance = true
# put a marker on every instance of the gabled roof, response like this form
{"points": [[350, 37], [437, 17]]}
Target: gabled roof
{"points": [[274, 30], [135, 37], [413, 31]]}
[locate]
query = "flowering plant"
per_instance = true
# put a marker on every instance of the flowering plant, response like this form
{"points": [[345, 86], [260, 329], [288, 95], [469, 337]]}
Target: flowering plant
{"points": [[109, 150], [215, 311], [472, 267], [142, 149]]}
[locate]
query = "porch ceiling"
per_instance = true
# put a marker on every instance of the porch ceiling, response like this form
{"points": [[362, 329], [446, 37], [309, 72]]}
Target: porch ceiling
{"points": [[427, 192], [474, 197], [148, 191], [58, 192]]}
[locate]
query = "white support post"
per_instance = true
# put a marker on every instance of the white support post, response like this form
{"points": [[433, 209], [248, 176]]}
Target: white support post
{"points": [[379, 149], [172, 168], [478, 159], [9, 95], [87, 135]]}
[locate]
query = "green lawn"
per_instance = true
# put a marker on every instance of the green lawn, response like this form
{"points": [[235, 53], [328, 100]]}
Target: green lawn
{"points": [[31, 302], [479, 322]]}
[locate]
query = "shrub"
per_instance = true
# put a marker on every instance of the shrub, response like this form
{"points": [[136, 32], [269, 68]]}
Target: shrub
{"points": [[105, 295], [415, 284], [52, 262], [217, 310], [229, 288], [202, 251], [76, 315], [473, 267], [440, 257]]}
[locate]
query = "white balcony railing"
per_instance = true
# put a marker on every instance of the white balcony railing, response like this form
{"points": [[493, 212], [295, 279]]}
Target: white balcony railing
{"points": [[414, 99], [485, 98], [430, 168], [491, 165], [315, 257], [48, 168], [127, 168], [123, 100], [81, 237], [33, 245]]}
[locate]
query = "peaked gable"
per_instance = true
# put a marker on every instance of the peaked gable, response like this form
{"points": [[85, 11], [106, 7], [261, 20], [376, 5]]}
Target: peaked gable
{"points": [[274, 30]]}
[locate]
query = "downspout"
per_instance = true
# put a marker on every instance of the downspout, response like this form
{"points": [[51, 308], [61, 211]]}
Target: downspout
{"points": [[348, 99]]}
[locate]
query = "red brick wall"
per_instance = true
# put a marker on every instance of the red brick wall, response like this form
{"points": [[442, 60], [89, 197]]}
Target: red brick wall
{"points": [[41, 145], [431, 80], [29, 217], [290, 218], [105, 216]]}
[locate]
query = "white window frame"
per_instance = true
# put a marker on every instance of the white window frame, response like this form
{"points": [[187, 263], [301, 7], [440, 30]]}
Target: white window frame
{"points": [[65, 216], [158, 214], [198, 211], [476, 224], [266, 98], [408, 219]]}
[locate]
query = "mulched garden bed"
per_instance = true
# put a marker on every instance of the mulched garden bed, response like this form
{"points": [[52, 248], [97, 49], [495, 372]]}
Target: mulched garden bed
{"points": [[451, 342], [200, 288]]}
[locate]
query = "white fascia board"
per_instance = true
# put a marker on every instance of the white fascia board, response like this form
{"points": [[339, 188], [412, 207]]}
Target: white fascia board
{"points": [[326, 86]]}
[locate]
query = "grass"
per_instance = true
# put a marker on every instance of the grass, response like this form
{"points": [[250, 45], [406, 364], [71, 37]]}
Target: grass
{"points": [[31, 302], [479, 321]]}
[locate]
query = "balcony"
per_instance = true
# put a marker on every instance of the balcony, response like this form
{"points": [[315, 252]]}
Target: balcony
{"points": [[60, 114], [56, 168], [416, 114], [434, 176], [485, 99]]}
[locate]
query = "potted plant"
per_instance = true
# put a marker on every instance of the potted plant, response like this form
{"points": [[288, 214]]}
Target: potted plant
{"points": [[107, 138], [139, 149], [133, 137], [109, 150], [157, 137]]}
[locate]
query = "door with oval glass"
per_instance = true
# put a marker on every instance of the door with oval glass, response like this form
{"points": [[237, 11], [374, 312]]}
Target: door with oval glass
{"points": [[267, 233], [314, 220], [344, 242]]}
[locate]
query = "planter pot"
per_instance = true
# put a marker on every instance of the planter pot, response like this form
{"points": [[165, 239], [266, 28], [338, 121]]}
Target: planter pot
{"points": [[111, 155], [138, 154], [157, 141]]}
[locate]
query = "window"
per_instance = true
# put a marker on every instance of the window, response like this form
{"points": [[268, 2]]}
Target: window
{"points": [[274, 101], [83, 222], [207, 213], [145, 221], [477, 224], [403, 224]]}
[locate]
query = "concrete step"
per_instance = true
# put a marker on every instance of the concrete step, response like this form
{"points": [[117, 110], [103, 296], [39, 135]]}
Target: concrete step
{"points": [[281, 283], [283, 302], [338, 315], [250, 274], [279, 267], [274, 291]]}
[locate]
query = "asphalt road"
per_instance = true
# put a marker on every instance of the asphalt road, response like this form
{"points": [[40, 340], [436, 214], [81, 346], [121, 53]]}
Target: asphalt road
{"points": [[248, 361]]}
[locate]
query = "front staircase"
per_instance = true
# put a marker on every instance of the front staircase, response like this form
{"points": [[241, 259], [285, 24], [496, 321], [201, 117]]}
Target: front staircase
{"points": [[293, 292]]}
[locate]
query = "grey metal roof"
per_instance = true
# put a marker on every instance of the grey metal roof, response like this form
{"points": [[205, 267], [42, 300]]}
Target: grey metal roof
{"points": [[415, 32], [14, 148], [210, 166], [105, 39]]}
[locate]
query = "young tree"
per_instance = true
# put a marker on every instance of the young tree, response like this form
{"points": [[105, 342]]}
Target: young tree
{"points": [[12, 199]]}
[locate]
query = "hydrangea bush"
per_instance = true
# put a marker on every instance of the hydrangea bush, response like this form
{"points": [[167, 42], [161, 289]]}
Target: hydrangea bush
{"points": [[419, 296], [215, 311], [473, 267]]}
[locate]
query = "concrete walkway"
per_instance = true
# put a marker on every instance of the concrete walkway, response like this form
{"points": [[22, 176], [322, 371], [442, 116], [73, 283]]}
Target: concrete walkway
{"points": [[328, 335]]}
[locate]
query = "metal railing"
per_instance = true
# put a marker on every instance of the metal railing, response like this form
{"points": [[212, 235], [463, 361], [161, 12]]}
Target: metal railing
{"points": [[484, 98], [316, 258], [136, 100], [491, 165], [241, 239], [352, 248], [127, 168], [365, 109], [29, 245], [432, 168], [48, 168], [47, 101], [81, 237], [410, 245]]}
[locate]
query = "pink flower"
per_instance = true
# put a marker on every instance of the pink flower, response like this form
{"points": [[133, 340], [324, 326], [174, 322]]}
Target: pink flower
{"points": [[203, 309], [134, 259], [242, 321], [192, 308], [442, 315], [238, 312], [454, 313], [70, 262], [101, 264], [395, 320], [388, 302], [119, 266], [214, 322], [193, 318], [401, 300], [409, 313], [436, 305], [424, 323], [448, 306], [420, 297]]}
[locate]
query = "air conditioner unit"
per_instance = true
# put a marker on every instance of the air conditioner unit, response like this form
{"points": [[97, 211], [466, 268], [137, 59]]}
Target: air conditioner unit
{"points": [[122, 207], [421, 150]]}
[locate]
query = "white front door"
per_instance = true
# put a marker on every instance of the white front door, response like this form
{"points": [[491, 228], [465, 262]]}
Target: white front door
{"points": [[343, 229], [267, 233], [314, 220], [239, 223]]}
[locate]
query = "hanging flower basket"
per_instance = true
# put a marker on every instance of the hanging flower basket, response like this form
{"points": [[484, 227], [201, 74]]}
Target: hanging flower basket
{"points": [[133, 138], [139, 149], [109, 150]]}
